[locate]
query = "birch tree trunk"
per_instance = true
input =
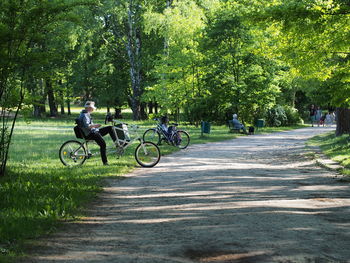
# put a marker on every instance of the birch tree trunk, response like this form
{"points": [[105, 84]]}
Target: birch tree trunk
{"points": [[133, 47]]}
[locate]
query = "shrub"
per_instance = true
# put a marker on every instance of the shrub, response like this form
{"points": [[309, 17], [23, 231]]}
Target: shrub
{"points": [[293, 116], [282, 116], [276, 116]]}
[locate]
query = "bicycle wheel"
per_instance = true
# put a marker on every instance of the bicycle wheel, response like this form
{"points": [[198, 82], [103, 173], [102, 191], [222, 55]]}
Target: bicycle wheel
{"points": [[72, 153], [181, 139], [147, 154], [151, 135]]}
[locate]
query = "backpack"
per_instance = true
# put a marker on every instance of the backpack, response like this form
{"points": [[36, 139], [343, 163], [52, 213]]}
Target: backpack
{"points": [[78, 121], [78, 132], [77, 129]]}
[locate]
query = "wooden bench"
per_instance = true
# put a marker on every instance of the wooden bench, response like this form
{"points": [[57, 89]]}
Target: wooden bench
{"points": [[232, 128]]}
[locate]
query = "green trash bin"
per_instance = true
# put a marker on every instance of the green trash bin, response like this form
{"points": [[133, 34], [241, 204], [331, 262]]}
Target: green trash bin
{"points": [[260, 123], [205, 127]]}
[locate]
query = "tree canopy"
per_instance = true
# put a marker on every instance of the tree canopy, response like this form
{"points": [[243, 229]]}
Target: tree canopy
{"points": [[194, 59]]}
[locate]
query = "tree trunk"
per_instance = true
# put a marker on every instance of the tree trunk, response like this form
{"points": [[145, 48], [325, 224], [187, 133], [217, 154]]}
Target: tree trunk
{"points": [[51, 98], [343, 121], [62, 109], [39, 104], [61, 97], [68, 107], [150, 107], [62, 103], [143, 112], [133, 47], [156, 108], [38, 111], [6, 130]]}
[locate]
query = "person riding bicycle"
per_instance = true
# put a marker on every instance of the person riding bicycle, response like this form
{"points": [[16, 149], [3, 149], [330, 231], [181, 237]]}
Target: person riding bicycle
{"points": [[93, 131]]}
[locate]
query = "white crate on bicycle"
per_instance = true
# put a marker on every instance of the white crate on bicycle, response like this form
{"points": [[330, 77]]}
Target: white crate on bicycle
{"points": [[122, 133]]}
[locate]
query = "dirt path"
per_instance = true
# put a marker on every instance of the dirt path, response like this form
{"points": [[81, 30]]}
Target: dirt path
{"points": [[252, 199]]}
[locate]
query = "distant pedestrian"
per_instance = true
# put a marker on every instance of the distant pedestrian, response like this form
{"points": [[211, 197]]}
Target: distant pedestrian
{"points": [[322, 120], [318, 115], [329, 119], [312, 114]]}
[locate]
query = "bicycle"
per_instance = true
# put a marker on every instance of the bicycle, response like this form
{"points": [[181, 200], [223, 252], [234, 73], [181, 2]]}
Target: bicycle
{"points": [[74, 152], [178, 138]]}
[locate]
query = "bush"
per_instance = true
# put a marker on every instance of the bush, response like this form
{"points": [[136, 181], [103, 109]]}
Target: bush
{"points": [[282, 116], [276, 116], [293, 116]]}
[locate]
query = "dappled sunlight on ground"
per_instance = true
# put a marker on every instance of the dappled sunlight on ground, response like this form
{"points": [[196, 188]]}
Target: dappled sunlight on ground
{"points": [[252, 199]]}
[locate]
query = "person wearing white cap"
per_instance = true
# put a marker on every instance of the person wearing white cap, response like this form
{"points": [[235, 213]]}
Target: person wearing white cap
{"points": [[93, 131]]}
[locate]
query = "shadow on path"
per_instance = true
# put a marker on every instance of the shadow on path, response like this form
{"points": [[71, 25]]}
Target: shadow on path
{"points": [[252, 199]]}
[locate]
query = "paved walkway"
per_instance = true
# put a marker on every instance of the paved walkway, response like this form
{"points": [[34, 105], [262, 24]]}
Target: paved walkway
{"points": [[253, 199]]}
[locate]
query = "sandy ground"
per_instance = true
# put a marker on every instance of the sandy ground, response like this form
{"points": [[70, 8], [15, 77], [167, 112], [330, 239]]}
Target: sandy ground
{"points": [[253, 199]]}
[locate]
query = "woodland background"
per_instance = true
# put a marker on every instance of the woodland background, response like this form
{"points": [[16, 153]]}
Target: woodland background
{"points": [[193, 59]]}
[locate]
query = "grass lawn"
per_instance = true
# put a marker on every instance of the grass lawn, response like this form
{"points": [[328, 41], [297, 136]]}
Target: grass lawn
{"points": [[337, 148], [38, 192]]}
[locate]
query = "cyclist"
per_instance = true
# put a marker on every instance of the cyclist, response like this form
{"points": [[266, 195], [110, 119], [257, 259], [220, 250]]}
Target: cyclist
{"points": [[93, 131]]}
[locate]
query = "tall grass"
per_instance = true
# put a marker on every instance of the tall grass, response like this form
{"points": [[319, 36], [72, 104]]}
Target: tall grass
{"points": [[38, 191]]}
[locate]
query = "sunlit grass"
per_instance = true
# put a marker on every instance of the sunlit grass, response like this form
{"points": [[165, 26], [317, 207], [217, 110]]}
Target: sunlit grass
{"points": [[337, 148], [38, 191]]}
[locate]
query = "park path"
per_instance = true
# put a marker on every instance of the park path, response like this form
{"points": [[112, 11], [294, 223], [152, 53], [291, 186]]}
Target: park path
{"points": [[256, 198]]}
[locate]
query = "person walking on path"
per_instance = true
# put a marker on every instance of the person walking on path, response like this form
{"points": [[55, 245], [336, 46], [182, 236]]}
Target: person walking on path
{"points": [[312, 113], [329, 119], [318, 116]]}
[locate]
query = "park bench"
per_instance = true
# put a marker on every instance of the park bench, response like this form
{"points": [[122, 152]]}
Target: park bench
{"points": [[232, 128]]}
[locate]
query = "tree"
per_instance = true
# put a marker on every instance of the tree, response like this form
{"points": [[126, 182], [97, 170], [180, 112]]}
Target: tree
{"points": [[177, 70], [312, 38], [238, 78], [124, 21], [22, 25]]}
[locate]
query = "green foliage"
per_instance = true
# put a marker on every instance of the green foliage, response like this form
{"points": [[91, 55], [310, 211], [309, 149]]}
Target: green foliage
{"points": [[276, 116], [293, 116], [178, 69], [282, 116], [312, 39]]}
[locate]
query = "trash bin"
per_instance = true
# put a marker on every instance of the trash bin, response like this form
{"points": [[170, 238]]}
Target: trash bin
{"points": [[260, 123], [205, 127]]}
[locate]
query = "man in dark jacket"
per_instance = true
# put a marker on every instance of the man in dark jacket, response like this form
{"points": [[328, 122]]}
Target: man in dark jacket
{"points": [[93, 131]]}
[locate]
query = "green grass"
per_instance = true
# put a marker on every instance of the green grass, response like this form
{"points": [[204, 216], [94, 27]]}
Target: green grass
{"points": [[38, 192], [337, 148]]}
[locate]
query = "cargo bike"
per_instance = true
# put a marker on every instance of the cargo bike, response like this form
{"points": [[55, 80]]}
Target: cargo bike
{"points": [[75, 152]]}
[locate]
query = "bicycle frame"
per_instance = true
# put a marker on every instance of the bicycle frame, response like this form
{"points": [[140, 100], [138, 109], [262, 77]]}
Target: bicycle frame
{"points": [[164, 135]]}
